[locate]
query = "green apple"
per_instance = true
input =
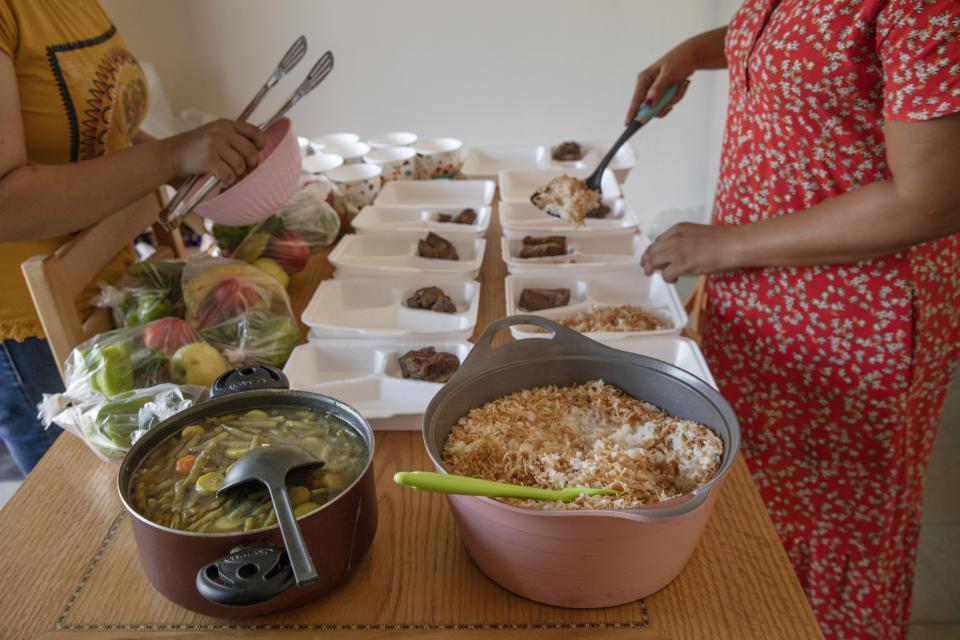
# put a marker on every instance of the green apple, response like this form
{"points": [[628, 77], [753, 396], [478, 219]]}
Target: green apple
{"points": [[273, 268], [197, 363]]}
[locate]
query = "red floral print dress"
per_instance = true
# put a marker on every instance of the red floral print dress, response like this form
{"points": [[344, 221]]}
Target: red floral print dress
{"points": [[837, 373]]}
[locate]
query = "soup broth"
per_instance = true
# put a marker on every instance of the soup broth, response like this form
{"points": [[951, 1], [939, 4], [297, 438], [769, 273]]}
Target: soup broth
{"points": [[176, 484]]}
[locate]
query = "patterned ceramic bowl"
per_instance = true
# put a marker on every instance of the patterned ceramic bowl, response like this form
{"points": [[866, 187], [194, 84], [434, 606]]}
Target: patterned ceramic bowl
{"points": [[393, 139], [398, 163], [439, 157], [333, 140], [360, 182], [351, 152]]}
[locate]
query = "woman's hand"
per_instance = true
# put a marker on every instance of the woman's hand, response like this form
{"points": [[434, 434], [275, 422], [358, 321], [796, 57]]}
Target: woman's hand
{"points": [[689, 249], [224, 148]]}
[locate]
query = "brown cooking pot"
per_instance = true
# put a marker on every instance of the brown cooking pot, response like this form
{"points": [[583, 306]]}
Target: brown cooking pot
{"points": [[248, 574]]}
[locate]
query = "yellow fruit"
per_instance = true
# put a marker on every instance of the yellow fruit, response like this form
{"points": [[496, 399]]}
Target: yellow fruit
{"points": [[273, 268], [197, 363]]}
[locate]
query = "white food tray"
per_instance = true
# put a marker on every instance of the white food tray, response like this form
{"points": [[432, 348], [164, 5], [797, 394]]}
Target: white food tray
{"points": [[374, 308], [677, 350], [438, 193], [377, 256], [584, 254], [621, 163], [518, 219], [366, 375], [487, 162], [518, 185], [415, 221], [607, 290]]}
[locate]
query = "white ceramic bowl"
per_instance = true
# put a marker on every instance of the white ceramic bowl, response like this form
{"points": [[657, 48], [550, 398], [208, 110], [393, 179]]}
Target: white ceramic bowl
{"points": [[439, 157], [360, 182], [398, 163], [321, 163], [393, 139], [334, 139], [351, 152]]}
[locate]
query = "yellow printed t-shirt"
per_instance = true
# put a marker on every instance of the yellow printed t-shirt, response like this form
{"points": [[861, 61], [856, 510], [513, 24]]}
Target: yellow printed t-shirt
{"points": [[82, 94]]}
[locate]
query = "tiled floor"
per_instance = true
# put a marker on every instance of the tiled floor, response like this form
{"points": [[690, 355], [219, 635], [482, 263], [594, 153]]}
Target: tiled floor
{"points": [[936, 592], [936, 595]]}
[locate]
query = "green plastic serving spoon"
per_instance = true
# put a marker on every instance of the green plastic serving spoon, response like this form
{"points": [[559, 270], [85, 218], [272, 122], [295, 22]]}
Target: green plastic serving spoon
{"points": [[465, 486]]}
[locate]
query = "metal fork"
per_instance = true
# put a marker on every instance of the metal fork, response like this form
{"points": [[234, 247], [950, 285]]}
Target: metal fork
{"points": [[290, 59], [317, 74]]}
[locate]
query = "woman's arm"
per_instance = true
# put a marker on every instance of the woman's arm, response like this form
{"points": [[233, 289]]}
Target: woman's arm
{"points": [[42, 201], [704, 51], [921, 202]]}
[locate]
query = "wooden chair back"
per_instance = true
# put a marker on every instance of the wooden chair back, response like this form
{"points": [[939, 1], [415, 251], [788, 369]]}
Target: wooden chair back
{"points": [[57, 280]]}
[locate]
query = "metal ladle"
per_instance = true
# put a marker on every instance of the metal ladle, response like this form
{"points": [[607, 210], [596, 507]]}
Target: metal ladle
{"points": [[269, 466]]}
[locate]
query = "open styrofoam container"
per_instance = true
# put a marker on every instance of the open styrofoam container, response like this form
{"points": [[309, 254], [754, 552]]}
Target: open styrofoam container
{"points": [[584, 254], [622, 162], [487, 162], [438, 193], [415, 221], [518, 219], [626, 286], [374, 308], [518, 185], [366, 375], [677, 350], [379, 256]]}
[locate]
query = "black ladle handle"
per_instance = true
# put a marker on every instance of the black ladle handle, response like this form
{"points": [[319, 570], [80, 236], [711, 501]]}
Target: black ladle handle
{"points": [[303, 570], [643, 116]]}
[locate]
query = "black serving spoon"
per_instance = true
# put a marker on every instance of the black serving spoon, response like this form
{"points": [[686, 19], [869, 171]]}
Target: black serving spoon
{"points": [[644, 115]]}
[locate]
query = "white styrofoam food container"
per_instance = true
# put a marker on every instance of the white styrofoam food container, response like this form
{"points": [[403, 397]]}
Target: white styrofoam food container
{"points": [[366, 375], [627, 286], [378, 256], [408, 220], [621, 164], [587, 253], [374, 308], [677, 350], [519, 184], [487, 162], [438, 193], [518, 219]]}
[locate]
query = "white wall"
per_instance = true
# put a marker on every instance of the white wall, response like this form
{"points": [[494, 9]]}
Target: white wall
{"points": [[494, 72]]}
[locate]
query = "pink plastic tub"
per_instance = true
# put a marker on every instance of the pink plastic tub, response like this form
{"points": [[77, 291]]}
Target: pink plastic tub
{"points": [[260, 193], [578, 558]]}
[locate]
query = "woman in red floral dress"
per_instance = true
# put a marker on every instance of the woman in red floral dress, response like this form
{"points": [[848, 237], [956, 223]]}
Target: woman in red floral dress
{"points": [[833, 298]]}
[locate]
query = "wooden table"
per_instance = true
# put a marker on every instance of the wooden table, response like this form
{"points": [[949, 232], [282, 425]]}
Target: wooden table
{"points": [[70, 569]]}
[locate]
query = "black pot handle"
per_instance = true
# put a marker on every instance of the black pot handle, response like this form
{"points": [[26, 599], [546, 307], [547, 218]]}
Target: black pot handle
{"points": [[252, 378], [249, 576]]}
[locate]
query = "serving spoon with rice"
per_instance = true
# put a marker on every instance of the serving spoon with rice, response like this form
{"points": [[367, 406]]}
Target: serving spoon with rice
{"points": [[572, 199], [466, 486]]}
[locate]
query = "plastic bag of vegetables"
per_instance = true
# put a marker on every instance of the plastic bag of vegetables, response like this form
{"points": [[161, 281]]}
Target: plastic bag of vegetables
{"points": [[115, 362], [147, 291], [282, 244], [336, 198], [241, 310], [110, 427]]}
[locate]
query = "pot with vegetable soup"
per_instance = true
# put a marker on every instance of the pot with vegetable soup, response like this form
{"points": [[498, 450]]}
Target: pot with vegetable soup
{"points": [[221, 553]]}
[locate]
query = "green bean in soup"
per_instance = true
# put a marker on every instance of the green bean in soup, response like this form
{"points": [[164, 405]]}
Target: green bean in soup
{"points": [[176, 484]]}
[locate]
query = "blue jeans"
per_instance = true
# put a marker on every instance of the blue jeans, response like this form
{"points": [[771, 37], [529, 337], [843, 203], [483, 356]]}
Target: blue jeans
{"points": [[27, 371]]}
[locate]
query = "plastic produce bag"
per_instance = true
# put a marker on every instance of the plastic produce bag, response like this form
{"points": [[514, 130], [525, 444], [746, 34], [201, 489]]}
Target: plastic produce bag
{"points": [[239, 309], [110, 427], [147, 291], [336, 198], [285, 241]]}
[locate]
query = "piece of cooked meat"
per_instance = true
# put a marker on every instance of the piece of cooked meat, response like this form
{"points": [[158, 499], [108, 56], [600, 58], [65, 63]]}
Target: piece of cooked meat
{"points": [[428, 364], [437, 247], [567, 151], [444, 217], [538, 299], [432, 299], [602, 211], [543, 247], [467, 216], [567, 198]]}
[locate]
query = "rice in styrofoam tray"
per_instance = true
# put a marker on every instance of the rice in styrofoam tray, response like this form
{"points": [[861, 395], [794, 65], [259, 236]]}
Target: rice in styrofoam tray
{"points": [[585, 435]]}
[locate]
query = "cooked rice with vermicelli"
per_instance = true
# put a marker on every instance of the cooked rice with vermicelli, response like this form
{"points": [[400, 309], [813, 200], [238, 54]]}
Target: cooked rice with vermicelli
{"points": [[586, 435]]}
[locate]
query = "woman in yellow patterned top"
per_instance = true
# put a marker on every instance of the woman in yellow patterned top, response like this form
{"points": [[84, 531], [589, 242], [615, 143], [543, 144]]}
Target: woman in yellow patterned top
{"points": [[72, 98]]}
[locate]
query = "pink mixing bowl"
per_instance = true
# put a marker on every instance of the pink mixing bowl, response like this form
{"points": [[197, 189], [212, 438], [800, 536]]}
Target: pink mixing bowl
{"points": [[260, 193], [586, 558]]}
